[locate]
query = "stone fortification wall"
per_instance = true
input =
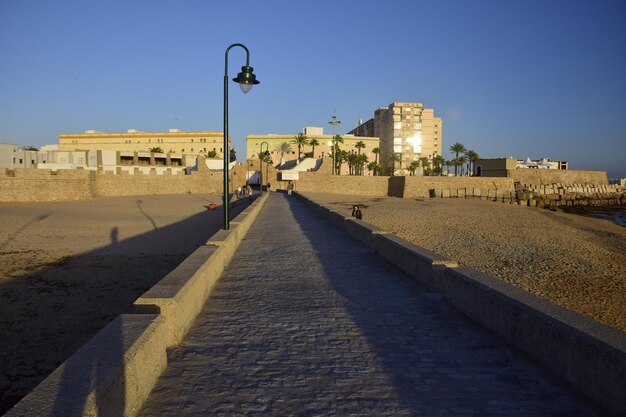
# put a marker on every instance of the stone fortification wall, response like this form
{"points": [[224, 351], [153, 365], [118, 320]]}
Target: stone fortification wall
{"points": [[456, 187], [342, 184], [27, 185], [549, 176], [123, 184]]}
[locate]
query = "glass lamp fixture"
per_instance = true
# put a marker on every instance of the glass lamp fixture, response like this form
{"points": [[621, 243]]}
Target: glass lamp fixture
{"points": [[246, 78]]}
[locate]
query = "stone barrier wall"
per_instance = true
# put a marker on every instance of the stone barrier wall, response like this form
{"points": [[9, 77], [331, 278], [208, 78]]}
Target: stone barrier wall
{"points": [[554, 176], [341, 184], [457, 187], [28, 185], [584, 354], [108, 184]]}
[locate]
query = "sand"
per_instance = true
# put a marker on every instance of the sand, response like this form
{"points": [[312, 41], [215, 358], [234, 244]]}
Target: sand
{"points": [[69, 268], [574, 261]]}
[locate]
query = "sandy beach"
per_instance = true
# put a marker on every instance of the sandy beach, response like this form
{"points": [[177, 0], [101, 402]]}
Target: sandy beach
{"points": [[574, 261], [68, 268]]}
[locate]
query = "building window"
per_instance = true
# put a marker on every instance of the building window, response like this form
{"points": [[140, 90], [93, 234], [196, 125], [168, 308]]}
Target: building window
{"points": [[20, 161]]}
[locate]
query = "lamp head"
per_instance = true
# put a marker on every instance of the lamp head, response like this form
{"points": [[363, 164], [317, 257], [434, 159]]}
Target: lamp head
{"points": [[246, 78]]}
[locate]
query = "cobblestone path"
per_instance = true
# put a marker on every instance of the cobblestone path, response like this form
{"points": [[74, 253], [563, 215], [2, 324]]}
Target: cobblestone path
{"points": [[307, 322]]}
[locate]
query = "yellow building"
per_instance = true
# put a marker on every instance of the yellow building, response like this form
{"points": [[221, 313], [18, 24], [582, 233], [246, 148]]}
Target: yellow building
{"points": [[322, 149], [174, 141], [407, 129]]}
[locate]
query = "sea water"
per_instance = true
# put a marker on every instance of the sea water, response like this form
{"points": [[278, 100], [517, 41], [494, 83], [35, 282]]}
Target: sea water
{"points": [[617, 214]]}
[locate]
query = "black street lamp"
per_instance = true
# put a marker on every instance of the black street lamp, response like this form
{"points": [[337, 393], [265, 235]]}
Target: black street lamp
{"points": [[261, 157], [246, 80]]}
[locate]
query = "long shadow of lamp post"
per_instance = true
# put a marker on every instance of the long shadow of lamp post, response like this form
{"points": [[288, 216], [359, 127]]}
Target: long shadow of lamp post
{"points": [[246, 80], [261, 157]]}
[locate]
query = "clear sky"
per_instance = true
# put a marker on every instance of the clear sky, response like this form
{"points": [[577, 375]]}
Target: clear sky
{"points": [[509, 78]]}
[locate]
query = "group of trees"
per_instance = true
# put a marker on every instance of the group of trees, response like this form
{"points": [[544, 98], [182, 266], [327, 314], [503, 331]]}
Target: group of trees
{"points": [[357, 162], [462, 158]]}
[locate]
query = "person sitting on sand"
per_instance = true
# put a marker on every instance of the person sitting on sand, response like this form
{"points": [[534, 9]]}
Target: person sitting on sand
{"points": [[356, 212]]}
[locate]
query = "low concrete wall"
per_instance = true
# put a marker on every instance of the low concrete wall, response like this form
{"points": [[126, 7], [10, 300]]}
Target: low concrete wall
{"points": [[111, 375], [182, 293], [588, 356], [114, 372]]}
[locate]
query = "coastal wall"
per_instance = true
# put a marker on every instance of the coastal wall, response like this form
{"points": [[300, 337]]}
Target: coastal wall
{"points": [[341, 184], [123, 184], [29, 184], [420, 187], [554, 176]]}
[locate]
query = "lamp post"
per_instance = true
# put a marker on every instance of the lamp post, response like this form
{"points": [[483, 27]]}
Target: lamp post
{"points": [[246, 80], [261, 165], [334, 122]]}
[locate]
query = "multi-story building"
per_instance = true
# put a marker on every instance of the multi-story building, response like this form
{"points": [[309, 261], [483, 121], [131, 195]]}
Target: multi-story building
{"points": [[407, 129], [322, 150], [174, 141]]}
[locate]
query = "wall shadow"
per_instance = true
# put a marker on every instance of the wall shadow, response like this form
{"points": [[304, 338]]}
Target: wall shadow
{"points": [[66, 303]]}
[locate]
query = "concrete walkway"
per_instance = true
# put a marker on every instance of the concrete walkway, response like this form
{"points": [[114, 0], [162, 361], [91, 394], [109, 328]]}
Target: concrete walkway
{"points": [[307, 322]]}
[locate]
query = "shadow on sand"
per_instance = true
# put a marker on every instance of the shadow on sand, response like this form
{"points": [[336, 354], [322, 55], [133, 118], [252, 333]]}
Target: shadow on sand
{"points": [[68, 302]]}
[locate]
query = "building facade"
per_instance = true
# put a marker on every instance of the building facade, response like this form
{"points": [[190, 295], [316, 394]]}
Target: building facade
{"points": [[499, 167], [322, 150], [407, 129], [174, 141]]}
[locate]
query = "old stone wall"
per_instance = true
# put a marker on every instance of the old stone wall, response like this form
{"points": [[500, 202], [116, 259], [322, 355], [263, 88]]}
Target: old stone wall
{"points": [[423, 187], [123, 184], [28, 184], [342, 184], [549, 176]]}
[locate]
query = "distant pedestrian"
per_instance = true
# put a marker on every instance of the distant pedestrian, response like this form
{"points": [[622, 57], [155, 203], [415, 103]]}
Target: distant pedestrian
{"points": [[289, 188], [269, 186], [356, 212]]}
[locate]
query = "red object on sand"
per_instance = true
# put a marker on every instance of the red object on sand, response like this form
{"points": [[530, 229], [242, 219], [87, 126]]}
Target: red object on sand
{"points": [[212, 206]]}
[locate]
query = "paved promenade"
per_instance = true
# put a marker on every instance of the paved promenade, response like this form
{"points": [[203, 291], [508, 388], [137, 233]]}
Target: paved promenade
{"points": [[307, 322]]}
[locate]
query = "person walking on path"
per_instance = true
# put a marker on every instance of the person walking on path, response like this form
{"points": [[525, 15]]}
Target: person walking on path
{"points": [[356, 212], [289, 187]]}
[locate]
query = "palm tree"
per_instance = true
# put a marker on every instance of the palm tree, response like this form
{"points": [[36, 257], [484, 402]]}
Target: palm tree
{"points": [[373, 167], [361, 160], [438, 163], [471, 157], [300, 140], [456, 149], [156, 149], [337, 139], [211, 154], [283, 148], [359, 145], [313, 143], [413, 167], [396, 157], [376, 151]]}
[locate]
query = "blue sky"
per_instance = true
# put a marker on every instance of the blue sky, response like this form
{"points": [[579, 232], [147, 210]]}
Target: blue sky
{"points": [[522, 78]]}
